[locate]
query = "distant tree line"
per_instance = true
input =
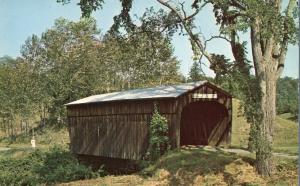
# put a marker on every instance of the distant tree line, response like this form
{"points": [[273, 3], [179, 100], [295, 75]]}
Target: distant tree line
{"points": [[73, 60], [287, 96]]}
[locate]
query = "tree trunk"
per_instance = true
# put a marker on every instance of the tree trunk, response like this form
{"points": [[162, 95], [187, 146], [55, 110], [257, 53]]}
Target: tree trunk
{"points": [[5, 126], [267, 83], [12, 129], [21, 126], [2, 125], [26, 127], [44, 116]]}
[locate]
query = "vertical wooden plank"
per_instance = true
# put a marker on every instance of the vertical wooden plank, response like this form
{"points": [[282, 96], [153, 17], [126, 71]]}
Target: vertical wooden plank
{"points": [[80, 135], [101, 126], [97, 136]]}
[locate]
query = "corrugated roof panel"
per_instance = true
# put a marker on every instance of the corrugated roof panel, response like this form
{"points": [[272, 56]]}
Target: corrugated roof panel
{"points": [[170, 91]]}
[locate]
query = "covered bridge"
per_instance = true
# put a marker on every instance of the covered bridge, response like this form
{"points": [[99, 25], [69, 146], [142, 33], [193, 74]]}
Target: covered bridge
{"points": [[116, 125]]}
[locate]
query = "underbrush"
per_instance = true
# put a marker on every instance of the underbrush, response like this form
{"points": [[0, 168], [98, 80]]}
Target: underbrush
{"points": [[44, 167]]}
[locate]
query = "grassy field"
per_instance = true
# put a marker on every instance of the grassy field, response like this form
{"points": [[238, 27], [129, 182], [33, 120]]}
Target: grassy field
{"points": [[45, 139], [193, 166], [289, 116], [285, 132]]}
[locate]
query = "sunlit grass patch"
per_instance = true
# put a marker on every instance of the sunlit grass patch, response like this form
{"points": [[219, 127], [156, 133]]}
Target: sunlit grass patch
{"points": [[285, 132]]}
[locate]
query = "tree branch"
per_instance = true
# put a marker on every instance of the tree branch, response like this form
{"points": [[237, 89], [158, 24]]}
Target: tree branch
{"points": [[237, 4], [256, 47], [283, 49], [182, 9], [183, 20], [216, 37]]}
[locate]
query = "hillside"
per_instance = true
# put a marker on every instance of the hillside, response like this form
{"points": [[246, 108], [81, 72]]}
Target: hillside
{"points": [[201, 166], [285, 132]]}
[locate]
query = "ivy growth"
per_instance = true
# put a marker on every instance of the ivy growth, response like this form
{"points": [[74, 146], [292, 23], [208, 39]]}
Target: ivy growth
{"points": [[159, 140]]}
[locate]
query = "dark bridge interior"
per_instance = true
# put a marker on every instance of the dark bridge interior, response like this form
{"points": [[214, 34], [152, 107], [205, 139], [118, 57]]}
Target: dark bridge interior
{"points": [[198, 121]]}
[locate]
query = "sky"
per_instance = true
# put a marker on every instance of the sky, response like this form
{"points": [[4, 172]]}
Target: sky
{"points": [[20, 19]]}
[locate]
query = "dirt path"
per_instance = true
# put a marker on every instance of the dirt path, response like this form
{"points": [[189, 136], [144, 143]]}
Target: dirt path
{"points": [[4, 148], [241, 151]]}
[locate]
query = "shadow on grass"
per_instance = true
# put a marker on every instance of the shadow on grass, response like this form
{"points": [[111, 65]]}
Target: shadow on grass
{"points": [[186, 164], [239, 147]]}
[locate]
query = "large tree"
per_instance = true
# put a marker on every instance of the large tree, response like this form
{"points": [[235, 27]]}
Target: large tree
{"points": [[270, 26], [72, 60], [19, 95], [270, 31], [136, 64], [63, 58]]}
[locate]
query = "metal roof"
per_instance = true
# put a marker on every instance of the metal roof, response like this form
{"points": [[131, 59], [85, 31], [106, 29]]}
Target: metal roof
{"points": [[170, 91]]}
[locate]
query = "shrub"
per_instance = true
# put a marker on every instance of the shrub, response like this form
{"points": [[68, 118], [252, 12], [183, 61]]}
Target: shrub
{"points": [[60, 165], [20, 171], [159, 140], [53, 166]]}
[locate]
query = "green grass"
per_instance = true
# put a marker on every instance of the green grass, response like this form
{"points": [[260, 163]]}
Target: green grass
{"points": [[201, 166], [289, 116], [44, 137], [210, 161], [285, 132], [286, 136], [293, 150], [187, 164], [16, 152], [240, 127]]}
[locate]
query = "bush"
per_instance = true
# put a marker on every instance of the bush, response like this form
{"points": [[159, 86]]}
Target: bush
{"points": [[159, 140], [61, 166], [53, 166], [20, 171]]}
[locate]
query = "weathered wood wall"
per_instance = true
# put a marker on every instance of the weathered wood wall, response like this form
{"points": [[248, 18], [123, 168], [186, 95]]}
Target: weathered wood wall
{"points": [[116, 130], [120, 129]]}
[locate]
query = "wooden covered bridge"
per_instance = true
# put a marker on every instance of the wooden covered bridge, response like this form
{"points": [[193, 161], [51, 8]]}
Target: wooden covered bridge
{"points": [[116, 125]]}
